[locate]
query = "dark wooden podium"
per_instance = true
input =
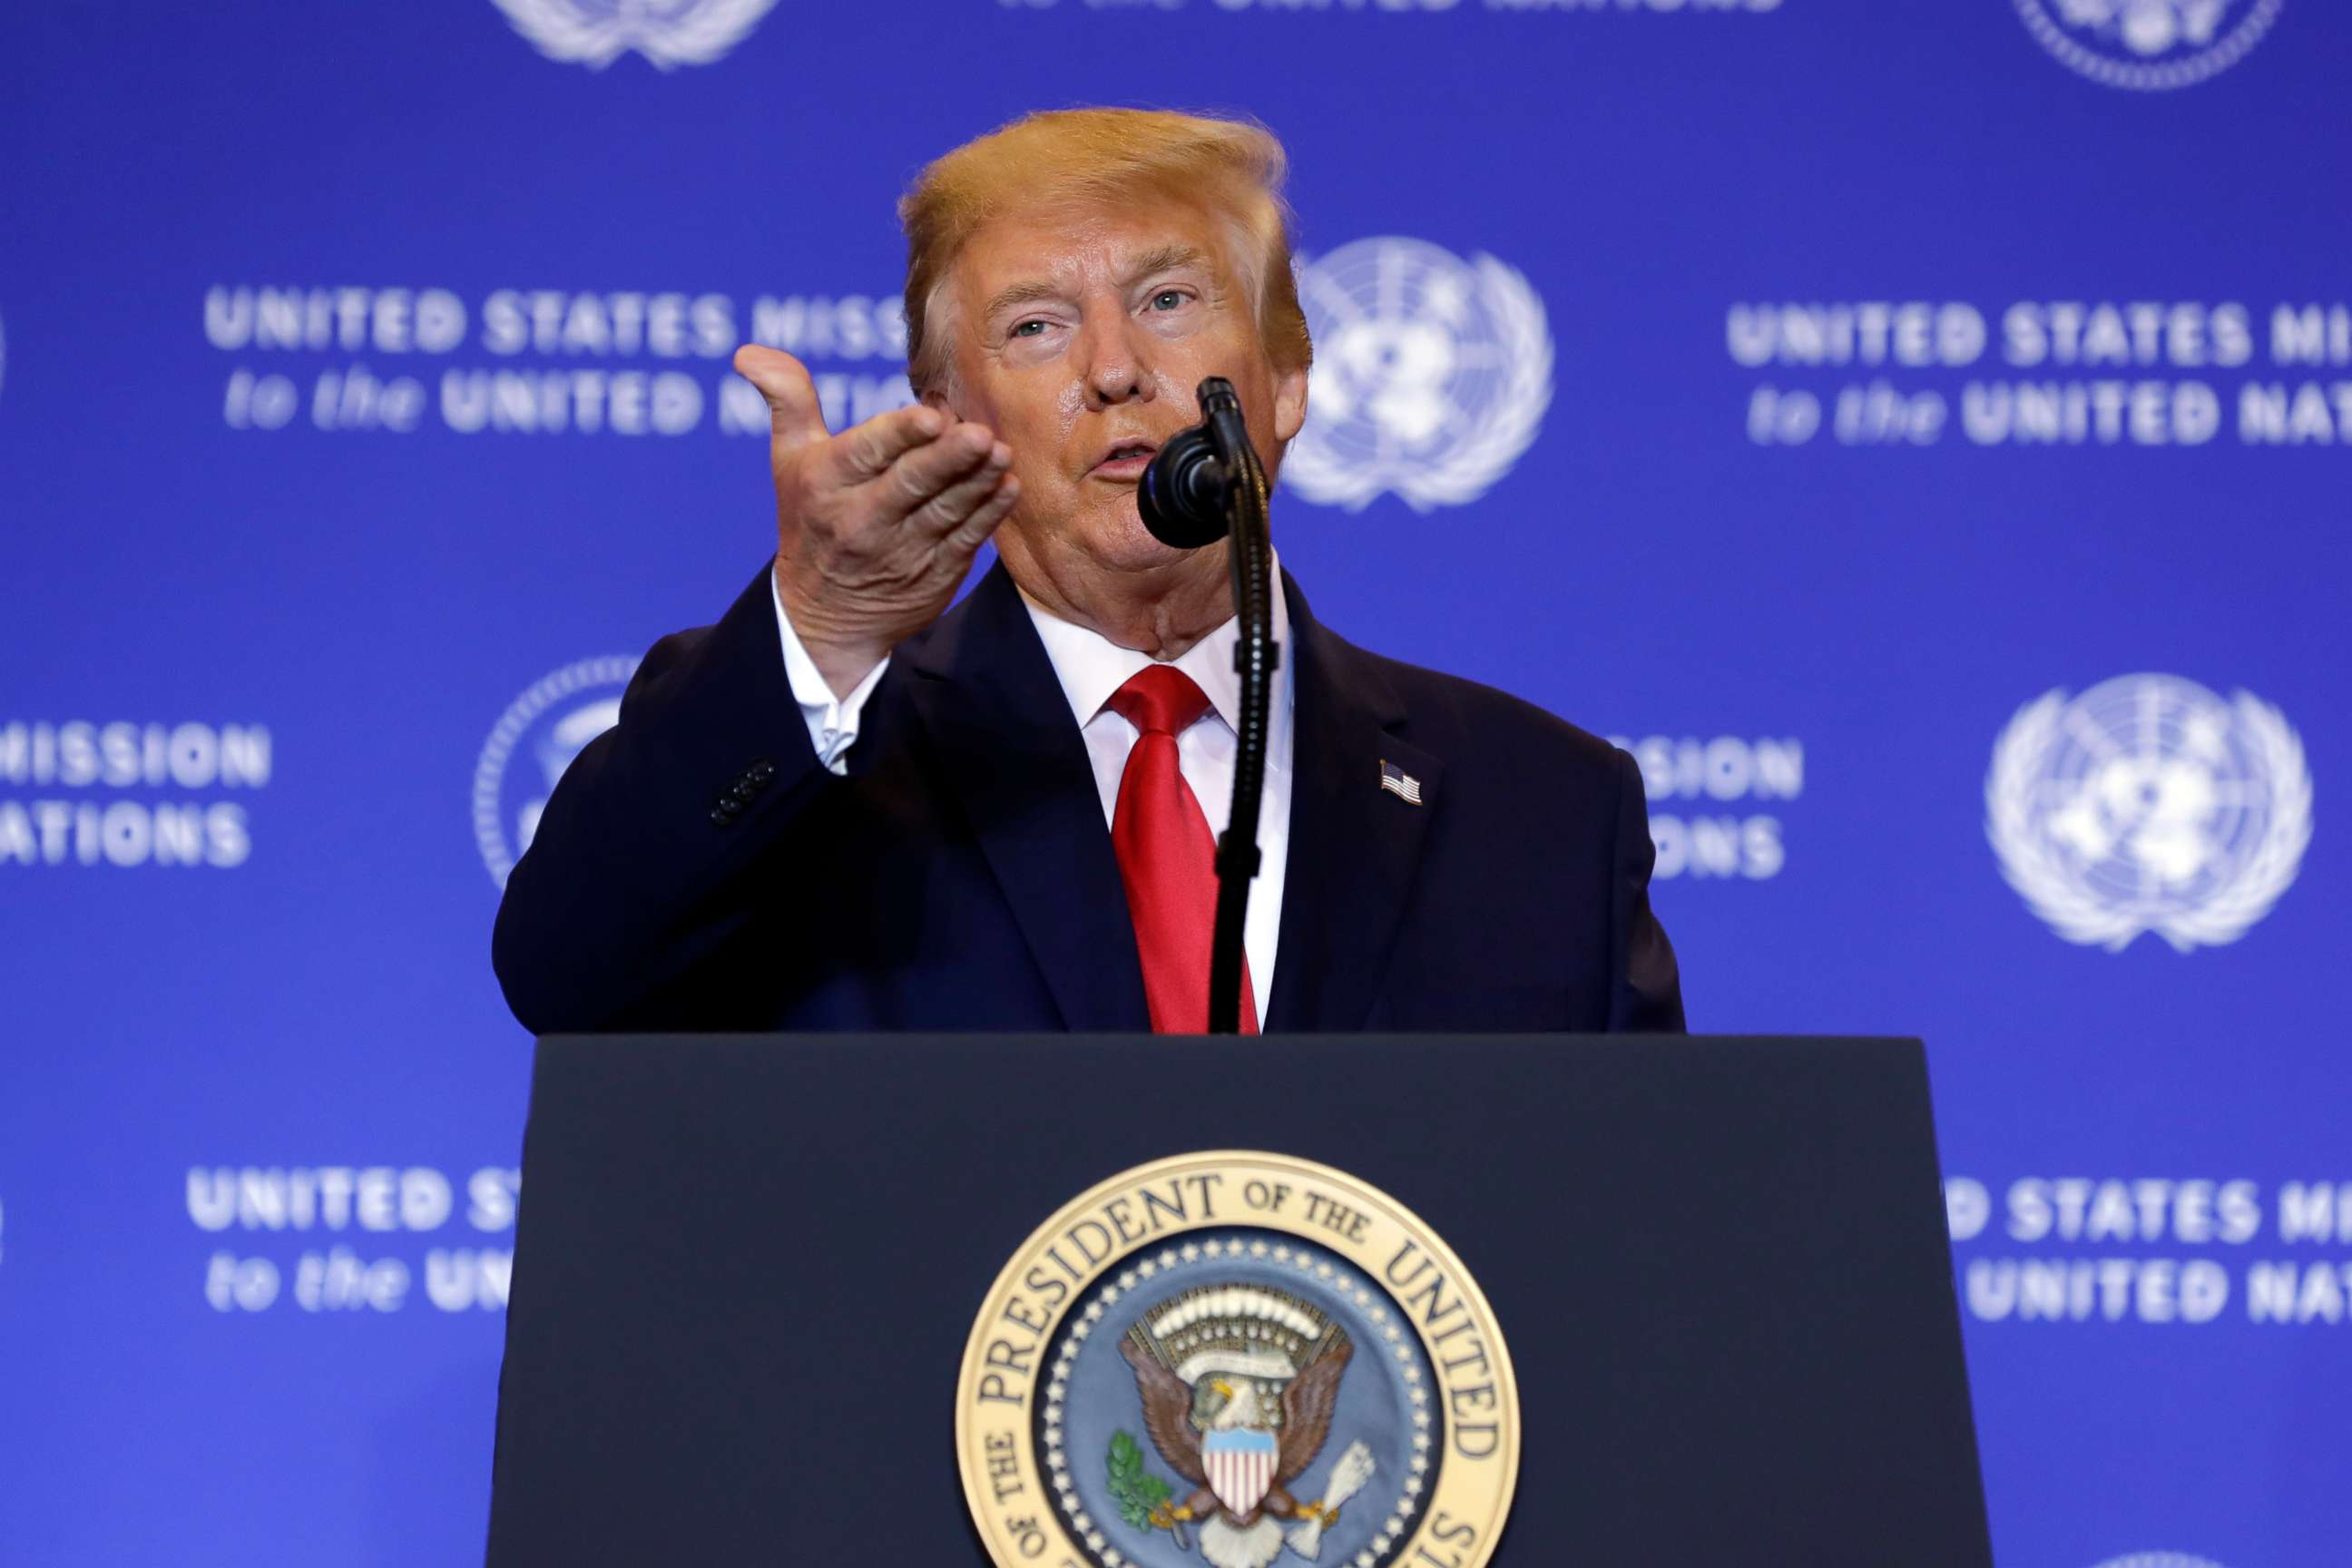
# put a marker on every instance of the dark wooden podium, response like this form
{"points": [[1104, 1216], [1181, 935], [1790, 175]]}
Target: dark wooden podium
{"points": [[746, 1268]]}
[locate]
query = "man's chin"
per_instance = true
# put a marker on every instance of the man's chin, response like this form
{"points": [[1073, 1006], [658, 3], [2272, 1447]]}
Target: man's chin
{"points": [[1111, 540], [1115, 536]]}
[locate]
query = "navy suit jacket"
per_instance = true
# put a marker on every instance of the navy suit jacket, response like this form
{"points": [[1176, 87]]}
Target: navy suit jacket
{"points": [[699, 868]]}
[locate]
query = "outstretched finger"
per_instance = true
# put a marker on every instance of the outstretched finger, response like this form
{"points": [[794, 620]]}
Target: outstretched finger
{"points": [[919, 476], [951, 507], [866, 451], [973, 530]]}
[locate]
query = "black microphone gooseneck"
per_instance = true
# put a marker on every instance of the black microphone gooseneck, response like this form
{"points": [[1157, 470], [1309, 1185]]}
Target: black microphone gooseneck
{"points": [[1204, 485]]}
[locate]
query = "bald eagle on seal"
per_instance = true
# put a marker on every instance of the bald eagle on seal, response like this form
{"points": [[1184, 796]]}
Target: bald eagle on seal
{"points": [[1219, 1433]]}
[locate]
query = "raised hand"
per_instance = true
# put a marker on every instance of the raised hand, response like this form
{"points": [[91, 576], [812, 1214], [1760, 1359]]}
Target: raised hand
{"points": [[875, 527]]}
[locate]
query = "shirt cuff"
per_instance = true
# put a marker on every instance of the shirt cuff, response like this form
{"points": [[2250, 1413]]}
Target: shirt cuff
{"points": [[832, 720]]}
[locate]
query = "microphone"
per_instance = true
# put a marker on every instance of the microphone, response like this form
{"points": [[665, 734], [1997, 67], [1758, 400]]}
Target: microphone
{"points": [[1206, 483], [1187, 487], [1183, 495]]}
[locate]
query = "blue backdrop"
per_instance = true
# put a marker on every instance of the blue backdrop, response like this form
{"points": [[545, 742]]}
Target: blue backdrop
{"points": [[1921, 433]]}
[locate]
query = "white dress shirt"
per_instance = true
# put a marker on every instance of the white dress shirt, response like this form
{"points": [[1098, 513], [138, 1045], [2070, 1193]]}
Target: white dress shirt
{"points": [[1090, 668]]}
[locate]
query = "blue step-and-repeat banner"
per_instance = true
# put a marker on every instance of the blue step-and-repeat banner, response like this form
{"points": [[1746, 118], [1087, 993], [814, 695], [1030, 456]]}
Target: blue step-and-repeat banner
{"points": [[1921, 434]]}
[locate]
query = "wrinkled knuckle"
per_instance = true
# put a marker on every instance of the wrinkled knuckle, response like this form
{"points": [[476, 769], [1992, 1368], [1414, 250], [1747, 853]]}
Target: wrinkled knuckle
{"points": [[910, 486]]}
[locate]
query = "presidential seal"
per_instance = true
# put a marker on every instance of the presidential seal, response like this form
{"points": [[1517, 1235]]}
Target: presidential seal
{"points": [[1237, 1359]]}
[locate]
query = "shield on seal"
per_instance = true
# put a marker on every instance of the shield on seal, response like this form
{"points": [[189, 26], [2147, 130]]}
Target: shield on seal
{"points": [[1239, 1463]]}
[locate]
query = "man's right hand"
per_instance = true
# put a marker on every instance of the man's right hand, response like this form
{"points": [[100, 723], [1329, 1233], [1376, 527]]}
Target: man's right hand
{"points": [[876, 527]]}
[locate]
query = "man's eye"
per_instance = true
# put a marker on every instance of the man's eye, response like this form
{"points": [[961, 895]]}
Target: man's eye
{"points": [[1023, 329], [1174, 298]]}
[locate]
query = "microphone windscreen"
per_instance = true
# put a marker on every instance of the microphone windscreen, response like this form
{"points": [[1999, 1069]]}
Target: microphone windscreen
{"points": [[1181, 496]]}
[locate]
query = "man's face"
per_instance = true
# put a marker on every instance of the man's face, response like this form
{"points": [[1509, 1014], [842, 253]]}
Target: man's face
{"points": [[1074, 333]]}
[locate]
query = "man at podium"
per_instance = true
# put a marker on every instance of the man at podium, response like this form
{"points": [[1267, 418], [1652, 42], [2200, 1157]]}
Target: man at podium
{"points": [[849, 807]]}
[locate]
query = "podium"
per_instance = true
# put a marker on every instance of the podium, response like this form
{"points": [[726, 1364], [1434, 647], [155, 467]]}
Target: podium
{"points": [[748, 1272]]}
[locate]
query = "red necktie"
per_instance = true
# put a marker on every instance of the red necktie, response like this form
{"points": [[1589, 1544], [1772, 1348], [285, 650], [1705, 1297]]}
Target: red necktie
{"points": [[1167, 857]]}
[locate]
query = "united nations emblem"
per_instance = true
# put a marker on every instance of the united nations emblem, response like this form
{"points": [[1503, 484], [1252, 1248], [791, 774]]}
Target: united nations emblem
{"points": [[1432, 374], [2149, 46], [2148, 803], [2159, 1559], [552, 723], [1231, 1359], [669, 33]]}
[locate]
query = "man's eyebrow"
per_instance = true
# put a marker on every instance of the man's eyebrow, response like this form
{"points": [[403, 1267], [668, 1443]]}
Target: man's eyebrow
{"points": [[1020, 294], [1164, 258]]}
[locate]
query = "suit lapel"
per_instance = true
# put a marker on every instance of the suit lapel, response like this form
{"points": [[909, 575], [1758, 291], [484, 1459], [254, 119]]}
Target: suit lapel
{"points": [[1009, 753], [1353, 845]]}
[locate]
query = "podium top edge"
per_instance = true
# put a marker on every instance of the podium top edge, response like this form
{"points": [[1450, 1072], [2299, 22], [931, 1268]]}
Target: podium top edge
{"points": [[845, 1040]]}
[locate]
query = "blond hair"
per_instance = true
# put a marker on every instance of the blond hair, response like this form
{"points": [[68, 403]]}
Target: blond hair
{"points": [[1082, 158]]}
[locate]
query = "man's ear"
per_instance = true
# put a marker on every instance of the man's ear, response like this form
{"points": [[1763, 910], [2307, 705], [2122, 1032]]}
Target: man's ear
{"points": [[1290, 403], [935, 398]]}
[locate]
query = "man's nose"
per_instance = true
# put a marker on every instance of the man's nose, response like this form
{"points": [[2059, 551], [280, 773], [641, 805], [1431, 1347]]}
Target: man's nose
{"points": [[1116, 359]]}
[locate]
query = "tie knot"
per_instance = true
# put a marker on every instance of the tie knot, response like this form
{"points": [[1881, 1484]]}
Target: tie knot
{"points": [[1159, 699]]}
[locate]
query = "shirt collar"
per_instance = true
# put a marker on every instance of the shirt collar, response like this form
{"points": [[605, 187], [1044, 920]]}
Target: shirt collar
{"points": [[1091, 667]]}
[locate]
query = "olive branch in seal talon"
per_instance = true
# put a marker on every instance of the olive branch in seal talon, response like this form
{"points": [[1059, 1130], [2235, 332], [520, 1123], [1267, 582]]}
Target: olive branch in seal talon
{"points": [[1144, 1499]]}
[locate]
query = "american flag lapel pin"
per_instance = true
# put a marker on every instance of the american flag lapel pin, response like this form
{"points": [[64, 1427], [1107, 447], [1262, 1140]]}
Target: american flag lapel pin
{"points": [[1398, 782]]}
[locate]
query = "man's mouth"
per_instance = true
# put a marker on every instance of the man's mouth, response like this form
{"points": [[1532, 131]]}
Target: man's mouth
{"points": [[1125, 460]]}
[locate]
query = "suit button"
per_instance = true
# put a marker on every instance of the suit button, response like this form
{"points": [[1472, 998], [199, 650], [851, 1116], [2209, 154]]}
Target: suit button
{"points": [[761, 772], [720, 816]]}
